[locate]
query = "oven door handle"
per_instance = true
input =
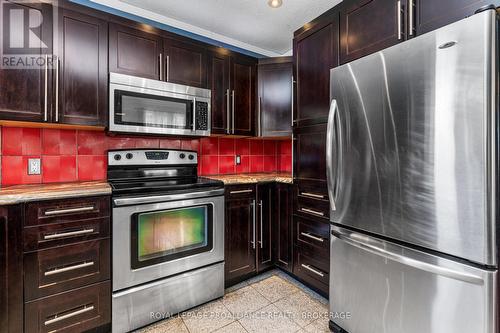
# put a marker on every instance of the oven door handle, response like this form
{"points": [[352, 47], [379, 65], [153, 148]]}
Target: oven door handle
{"points": [[164, 198]]}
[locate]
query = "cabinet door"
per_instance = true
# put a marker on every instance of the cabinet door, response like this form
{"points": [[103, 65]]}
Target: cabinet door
{"points": [[266, 216], [431, 14], [239, 246], [219, 83], [243, 96], [11, 269], [83, 70], [25, 90], [368, 26], [316, 52], [134, 52], [310, 153], [185, 63], [282, 227], [275, 99]]}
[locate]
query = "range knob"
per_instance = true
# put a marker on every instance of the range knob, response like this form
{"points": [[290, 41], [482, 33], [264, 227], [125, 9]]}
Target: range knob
{"points": [[129, 156], [182, 155], [117, 157], [191, 157]]}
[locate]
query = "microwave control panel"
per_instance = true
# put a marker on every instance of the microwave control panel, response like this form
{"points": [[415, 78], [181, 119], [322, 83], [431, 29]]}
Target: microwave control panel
{"points": [[201, 116]]}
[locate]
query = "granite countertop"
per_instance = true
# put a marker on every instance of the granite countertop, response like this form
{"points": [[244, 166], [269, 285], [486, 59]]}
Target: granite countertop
{"points": [[252, 178], [23, 193]]}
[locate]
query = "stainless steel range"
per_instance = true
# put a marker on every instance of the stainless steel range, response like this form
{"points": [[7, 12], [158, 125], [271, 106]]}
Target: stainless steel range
{"points": [[168, 235]]}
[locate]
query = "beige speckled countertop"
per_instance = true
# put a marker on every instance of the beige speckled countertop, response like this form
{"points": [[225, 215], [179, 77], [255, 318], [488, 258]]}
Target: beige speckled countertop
{"points": [[24, 193], [251, 178]]}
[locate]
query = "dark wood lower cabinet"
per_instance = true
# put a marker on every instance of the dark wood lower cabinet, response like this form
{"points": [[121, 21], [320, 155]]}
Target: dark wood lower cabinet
{"points": [[282, 227], [266, 208]]}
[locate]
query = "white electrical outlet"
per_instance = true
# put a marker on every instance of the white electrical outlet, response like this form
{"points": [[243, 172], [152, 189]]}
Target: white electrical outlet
{"points": [[34, 166], [237, 160]]}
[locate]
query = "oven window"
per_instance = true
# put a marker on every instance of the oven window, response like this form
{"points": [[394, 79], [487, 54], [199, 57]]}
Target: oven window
{"points": [[136, 109], [165, 235]]}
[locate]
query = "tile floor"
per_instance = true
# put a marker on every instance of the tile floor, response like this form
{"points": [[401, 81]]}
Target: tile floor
{"points": [[271, 302]]}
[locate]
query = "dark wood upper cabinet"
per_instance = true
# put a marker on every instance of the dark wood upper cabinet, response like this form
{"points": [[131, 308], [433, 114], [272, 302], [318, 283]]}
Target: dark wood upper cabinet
{"points": [[315, 52], [243, 72], [367, 26], [274, 111], [185, 63], [282, 227], [25, 93], [82, 80], [266, 208], [11, 269], [134, 52], [219, 83]]}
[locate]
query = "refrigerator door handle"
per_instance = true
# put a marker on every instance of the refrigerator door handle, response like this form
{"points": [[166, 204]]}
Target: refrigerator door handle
{"points": [[329, 153], [360, 241]]}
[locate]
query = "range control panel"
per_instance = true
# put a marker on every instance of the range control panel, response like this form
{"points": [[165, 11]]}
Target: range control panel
{"points": [[152, 157]]}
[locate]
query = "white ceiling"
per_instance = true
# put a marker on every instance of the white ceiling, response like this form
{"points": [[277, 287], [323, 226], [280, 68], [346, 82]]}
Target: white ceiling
{"points": [[248, 24]]}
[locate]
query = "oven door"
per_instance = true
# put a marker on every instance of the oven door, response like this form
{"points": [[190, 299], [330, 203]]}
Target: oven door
{"points": [[161, 239]]}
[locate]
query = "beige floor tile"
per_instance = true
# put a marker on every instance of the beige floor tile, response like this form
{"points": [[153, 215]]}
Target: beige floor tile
{"points": [[232, 328], [244, 301], [174, 324], [318, 326], [269, 319], [207, 318], [274, 288], [303, 308]]}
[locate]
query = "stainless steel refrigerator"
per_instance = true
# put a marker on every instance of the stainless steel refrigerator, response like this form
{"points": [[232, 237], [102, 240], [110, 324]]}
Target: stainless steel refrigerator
{"points": [[412, 177]]}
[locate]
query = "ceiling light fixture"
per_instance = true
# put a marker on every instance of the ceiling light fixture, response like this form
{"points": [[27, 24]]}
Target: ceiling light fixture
{"points": [[275, 3]]}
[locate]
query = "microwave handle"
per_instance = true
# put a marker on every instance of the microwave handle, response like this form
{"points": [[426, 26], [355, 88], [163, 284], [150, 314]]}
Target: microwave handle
{"points": [[194, 115]]}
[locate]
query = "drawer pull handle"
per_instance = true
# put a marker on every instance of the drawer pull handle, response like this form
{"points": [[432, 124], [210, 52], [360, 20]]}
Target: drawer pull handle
{"points": [[69, 233], [69, 315], [312, 195], [315, 271], [69, 210], [310, 211], [308, 235], [69, 268], [240, 191]]}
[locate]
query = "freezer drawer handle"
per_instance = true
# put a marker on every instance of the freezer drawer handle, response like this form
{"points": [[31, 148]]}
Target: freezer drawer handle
{"points": [[56, 319], [310, 211], [435, 269], [315, 271], [308, 235]]}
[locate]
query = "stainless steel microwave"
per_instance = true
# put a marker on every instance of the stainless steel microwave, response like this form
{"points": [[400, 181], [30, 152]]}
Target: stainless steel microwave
{"points": [[139, 105]]}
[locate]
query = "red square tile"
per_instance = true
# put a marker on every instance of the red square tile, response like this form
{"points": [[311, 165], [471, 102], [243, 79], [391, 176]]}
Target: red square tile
{"points": [[210, 146], [191, 145], [226, 146], [285, 164], [15, 171], [58, 142], [269, 163], [117, 142], [285, 147], [256, 163], [92, 168], [209, 165], [147, 143], [226, 164], [58, 169], [244, 166], [18, 141], [170, 143], [92, 143], [242, 146], [257, 147], [269, 147]]}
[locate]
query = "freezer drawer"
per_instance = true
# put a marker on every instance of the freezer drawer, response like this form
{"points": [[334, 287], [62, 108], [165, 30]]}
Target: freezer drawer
{"points": [[377, 286]]}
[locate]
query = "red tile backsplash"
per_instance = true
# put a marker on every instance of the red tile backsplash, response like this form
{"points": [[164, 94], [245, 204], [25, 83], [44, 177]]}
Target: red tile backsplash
{"points": [[71, 155]]}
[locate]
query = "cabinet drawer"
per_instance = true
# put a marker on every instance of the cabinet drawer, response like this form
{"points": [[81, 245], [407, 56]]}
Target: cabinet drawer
{"points": [[74, 311], [313, 208], [311, 189], [63, 210], [313, 234], [66, 267], [240, 191], [51, 235], [312, 268]]}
